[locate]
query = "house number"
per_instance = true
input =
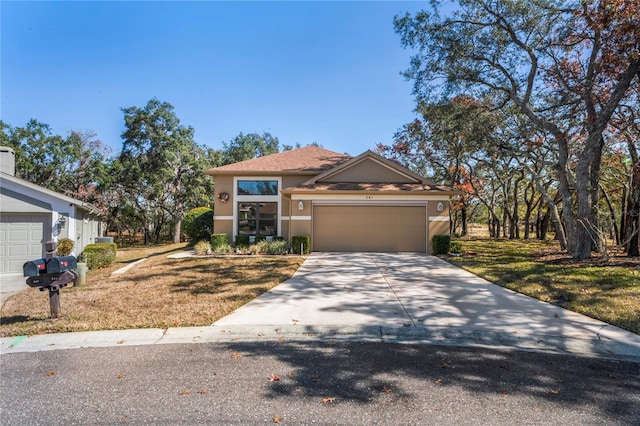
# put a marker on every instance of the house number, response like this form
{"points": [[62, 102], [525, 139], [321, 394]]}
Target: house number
{"points": [[368, 197]]}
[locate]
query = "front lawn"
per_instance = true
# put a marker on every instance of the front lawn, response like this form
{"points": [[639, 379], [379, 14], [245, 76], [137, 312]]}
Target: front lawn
{"points": [[160, 292], [608, 290]]}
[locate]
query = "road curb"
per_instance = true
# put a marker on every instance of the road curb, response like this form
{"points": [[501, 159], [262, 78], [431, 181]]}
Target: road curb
{"points": [[594, 348]]}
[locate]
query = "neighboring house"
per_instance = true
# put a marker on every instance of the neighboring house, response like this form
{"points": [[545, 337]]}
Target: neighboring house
{"points": [[363, 203], [31, 215]]}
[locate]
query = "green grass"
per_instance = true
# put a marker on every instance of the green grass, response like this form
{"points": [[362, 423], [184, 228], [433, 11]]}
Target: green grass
{"points": [[608, 292]]}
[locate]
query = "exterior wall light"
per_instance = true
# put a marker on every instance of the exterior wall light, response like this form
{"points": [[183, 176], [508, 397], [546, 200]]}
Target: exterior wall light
{"points": [[440, 207], [300, 205]]}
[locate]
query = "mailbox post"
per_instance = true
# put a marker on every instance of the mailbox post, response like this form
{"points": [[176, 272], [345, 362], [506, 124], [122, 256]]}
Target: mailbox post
{"points": [[51, 273]]}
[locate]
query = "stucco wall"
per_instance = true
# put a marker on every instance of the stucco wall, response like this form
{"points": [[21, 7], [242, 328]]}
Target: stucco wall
{"points": [[368, 171]]}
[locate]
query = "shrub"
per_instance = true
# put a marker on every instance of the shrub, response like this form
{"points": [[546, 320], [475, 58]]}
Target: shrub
{"points": [[197, 224], [218, 240], [456, 247], [224, 249], [202, 247], [100, 255], [303, 240], [242, 241], [65, 247], [272, 247], [441, 244]]}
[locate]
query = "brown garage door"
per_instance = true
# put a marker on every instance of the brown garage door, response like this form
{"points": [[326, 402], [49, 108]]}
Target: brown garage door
{"points": [[369, 228]]}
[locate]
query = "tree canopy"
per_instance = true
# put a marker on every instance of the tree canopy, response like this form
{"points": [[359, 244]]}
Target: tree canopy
{"points": [[567, 67]]}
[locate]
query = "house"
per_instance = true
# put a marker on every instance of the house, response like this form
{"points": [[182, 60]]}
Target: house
{"points": [[31, 215], [363, 203]]}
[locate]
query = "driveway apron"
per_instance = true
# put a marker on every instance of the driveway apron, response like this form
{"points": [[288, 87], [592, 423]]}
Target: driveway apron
{"points": [[424, 298]]}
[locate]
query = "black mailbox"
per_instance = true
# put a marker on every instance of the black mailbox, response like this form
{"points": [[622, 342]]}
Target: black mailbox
{"points": [[61, 264], [33, 268]]}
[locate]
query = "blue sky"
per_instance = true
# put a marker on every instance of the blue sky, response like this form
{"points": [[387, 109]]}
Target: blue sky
{"points": [[326, 72]]}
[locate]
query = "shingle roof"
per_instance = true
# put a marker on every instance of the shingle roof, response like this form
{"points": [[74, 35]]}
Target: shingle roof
{"points": [[309, 159], [375, 187]]}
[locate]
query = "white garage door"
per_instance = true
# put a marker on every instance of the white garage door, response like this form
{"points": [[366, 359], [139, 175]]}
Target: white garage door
{"points": [[370, 228], [22, 238]]}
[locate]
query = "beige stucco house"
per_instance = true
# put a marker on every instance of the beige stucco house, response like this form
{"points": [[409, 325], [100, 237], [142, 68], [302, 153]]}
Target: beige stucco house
{"points": [[344, 203]]}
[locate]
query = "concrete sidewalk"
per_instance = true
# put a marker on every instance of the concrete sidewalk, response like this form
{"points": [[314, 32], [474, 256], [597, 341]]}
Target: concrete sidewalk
{"points": [[378, 297]]}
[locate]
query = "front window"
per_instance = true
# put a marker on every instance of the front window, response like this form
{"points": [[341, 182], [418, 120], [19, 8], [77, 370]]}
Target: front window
{"points": [[258, 187], [259, 219]]}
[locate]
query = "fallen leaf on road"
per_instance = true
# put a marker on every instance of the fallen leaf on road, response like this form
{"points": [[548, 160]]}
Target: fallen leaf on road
{"points": [[274, 378], [202, 391], [277, 419], [555, 391], [281, 338], [437, 382], [328, 399], [387, 389], [290, 374], [51, 373], [120, 342], [236, 355], [298, 389], [185, 392], [120, 376], [504, 393]]}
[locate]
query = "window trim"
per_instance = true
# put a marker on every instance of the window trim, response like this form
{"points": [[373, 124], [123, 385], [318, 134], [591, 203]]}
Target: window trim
{"points": [[258, 220], [256, 199], [258, 180]]}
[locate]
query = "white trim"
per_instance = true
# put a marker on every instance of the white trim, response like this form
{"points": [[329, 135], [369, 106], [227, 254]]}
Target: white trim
{"points": [[368, 197], [426, 228], [223, 218], [439, 219], [300, 218], [256, 198], [369, 202]]}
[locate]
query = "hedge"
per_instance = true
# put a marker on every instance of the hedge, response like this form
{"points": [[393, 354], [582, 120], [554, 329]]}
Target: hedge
{"points": [[197, 224], [297, 240], [218, 240], [242, 241], [99, 255], [441, 244]]}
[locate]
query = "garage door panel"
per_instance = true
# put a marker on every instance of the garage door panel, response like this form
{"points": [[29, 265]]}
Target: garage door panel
{"points": [[369, 228], [21, 239]]}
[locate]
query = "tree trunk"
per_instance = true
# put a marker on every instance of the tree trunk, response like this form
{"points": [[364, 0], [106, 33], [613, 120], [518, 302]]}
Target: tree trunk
{"points": [[612, 216], [177, 229], [587, 174], [567, 198], [463, 219], [633, 213]]}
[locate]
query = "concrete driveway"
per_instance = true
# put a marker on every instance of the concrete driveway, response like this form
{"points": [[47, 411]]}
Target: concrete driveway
{"points": [[11, 284], [417, 297]]}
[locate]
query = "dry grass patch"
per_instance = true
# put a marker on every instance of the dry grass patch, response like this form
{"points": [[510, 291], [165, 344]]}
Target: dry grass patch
{"points": [[161, 292]]}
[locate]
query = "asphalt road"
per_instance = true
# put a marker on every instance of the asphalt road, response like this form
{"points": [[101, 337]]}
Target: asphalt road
{"points": [[319, 383]]}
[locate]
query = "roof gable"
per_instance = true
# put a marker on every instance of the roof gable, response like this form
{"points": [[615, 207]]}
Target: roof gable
{"points": [[368, 167], [307, 160], [48, 193]]}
